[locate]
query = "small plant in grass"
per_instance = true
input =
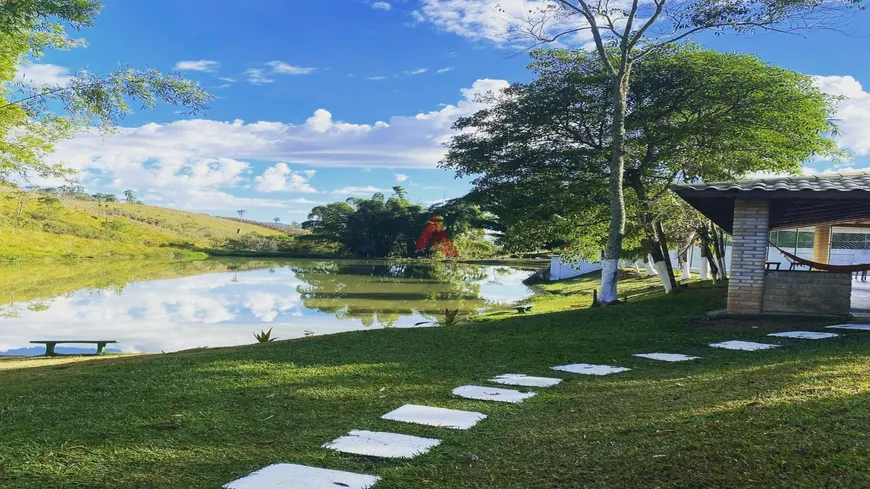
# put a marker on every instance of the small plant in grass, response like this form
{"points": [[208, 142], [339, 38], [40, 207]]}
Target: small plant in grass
{"points": [[264, 336], [450, 318]]}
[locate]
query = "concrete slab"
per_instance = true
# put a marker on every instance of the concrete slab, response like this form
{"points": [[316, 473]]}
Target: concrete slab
{"points": [[435, 416], [804, 335], [382, 444], [667, 357], [590, 369], [743, 345], [481, 393], [853, 327], [292, 476], [525, 380]]}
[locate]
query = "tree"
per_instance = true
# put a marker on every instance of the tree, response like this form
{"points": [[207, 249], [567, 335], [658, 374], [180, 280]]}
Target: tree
{"points": [[105, 197], [276, 219], [624, 32], [130, 197], [30, 122], [241, 213], [540, 150]]}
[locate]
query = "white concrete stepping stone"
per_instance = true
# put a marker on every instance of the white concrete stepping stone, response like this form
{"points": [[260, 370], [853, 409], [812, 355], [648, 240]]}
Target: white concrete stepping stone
{"points": [[855, 327], [667, 357], [382, 444], [804, 335], [435, 416], [481, 393], [292, 476], [525, 380], [743, 345], [590, 369]]}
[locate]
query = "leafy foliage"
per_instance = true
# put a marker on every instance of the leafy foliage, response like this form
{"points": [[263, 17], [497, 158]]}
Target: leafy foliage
{"points": [[264, 336]]}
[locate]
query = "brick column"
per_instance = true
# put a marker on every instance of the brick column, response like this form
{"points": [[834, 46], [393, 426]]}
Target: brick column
{"points": [[822, 244], [749, 252]]}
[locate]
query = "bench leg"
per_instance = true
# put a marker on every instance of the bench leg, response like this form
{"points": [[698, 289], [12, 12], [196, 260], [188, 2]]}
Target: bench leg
{"points": [[49, 349], [101, 348]]}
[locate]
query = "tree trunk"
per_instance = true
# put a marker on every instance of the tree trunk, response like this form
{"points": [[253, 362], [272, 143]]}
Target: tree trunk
{"points": [[647, 263], [610, 263], [669, 280], [719, 241]]}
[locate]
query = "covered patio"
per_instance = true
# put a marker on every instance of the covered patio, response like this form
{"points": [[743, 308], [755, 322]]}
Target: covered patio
{"points": [[750, 210]]}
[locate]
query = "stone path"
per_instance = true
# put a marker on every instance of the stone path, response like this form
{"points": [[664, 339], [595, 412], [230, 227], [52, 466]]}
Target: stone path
{"points": [[395, 445]]}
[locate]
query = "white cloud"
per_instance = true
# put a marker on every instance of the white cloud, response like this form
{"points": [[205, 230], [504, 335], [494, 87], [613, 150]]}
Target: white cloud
{"points": [[444, 70], [418, 71], [42, 74], [400, 177], [382, 6], [199, 65], [358, 191], [853, 112], [280, 178], [227, 79], [495, 20], [282, 68], [376, 78], [257, 76]]}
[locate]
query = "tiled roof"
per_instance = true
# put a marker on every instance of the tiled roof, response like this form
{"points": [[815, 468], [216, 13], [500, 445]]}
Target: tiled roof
{"points": [[843, 182]]}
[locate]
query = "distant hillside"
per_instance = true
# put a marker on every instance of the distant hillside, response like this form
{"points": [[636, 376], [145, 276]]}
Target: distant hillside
{"points": [[36, 226], [283, 228]]}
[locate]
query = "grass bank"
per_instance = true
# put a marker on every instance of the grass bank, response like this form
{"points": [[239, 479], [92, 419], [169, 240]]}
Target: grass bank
{"points": [[43, 227], [793, 417]]}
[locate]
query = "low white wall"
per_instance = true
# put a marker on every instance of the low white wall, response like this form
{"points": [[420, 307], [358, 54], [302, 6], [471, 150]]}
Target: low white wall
{"points": [[560, 270]]}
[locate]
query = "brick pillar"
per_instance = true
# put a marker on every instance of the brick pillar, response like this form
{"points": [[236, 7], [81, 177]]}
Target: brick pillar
{"points": [[822, 244], [749, 252]]}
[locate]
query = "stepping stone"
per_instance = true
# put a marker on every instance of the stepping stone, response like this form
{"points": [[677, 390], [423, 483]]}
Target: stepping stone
{"points": [[590, 369], [382, 444], [292, 476], [666, 357], [480, 393], [525, 380], [743, 345], [855, 327], [804, 335], [434, 416]]}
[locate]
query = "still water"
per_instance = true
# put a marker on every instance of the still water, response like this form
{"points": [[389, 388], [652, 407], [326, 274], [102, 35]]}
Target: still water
{"points": [[165, 306]]}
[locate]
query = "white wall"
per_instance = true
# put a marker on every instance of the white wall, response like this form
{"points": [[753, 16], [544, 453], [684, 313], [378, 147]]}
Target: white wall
{"points": [[560, 270]]}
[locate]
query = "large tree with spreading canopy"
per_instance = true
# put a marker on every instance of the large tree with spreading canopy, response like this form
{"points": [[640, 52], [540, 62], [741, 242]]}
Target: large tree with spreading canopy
{"points": [[622, 32]]}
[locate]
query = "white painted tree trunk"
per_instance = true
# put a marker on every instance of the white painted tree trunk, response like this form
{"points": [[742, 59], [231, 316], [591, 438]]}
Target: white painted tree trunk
{"points": [[636, 268], [609, 271], [662, 269], [705, 269], [687, 273], [723, 273], [649, 268]]}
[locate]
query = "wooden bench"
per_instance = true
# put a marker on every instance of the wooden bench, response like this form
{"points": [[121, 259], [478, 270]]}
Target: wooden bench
{"points": [[524, 308], [50, 344]]}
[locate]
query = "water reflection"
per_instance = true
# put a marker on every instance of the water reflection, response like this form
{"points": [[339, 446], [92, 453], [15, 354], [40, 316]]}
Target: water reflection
{"points": [[220, 303]]}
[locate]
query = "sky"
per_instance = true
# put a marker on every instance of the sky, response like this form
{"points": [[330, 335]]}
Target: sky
{"points": [[318, 101]]}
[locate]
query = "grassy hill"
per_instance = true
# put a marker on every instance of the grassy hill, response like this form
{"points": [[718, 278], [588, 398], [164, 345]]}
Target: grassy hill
{"points": [[36, 226]]}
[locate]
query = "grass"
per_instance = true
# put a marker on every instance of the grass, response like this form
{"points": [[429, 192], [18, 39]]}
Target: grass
{"points": [[39, 229], [793, 417]]}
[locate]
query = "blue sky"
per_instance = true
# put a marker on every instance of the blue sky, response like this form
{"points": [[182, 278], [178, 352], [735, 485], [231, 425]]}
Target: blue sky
{"points": [[322, 100]]}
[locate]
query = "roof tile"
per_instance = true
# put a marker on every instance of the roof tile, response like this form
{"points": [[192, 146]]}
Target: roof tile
{"points": [[843, 182]]}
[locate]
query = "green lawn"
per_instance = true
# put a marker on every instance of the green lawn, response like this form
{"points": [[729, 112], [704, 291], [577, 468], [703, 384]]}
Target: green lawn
{"points": [[794, 417]]}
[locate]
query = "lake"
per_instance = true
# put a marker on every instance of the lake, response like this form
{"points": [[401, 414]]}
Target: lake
{"points": [[171, 306]]}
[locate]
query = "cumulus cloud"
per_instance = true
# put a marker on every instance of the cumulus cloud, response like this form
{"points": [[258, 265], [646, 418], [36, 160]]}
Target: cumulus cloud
{"points": [[400, 177], [198, 65], [853, 111], [382, 6], [282, 68], [197, 163], [280, 178], [493, 20], [42, 74]]}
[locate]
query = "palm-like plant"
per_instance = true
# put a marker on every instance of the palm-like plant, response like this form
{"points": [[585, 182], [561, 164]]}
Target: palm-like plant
{"points": [[264, 336], [276, 219], [241, 213], [450, 317]]}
